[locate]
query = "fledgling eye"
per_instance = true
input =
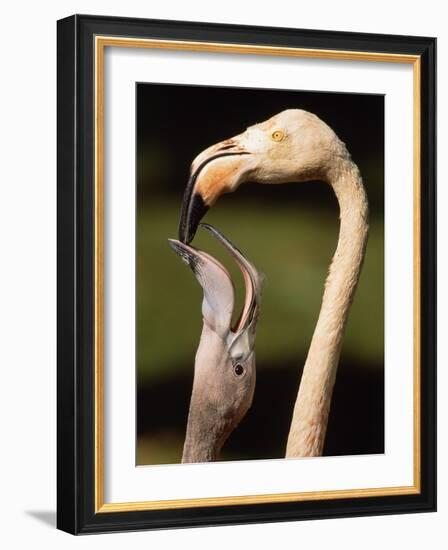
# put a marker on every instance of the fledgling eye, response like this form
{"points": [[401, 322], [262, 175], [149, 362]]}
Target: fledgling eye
{"points": [[278, 135], [238, 369]]}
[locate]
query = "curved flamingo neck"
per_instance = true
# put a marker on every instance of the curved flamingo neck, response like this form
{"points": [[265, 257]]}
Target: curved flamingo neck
{"points": [[310, 417]]}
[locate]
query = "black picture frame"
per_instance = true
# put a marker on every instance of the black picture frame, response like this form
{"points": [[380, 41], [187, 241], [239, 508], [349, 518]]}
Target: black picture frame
{"points": [[76, 511]]}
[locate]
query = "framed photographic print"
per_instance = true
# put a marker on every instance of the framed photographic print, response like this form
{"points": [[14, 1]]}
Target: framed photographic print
{"points": [[246, 274]]}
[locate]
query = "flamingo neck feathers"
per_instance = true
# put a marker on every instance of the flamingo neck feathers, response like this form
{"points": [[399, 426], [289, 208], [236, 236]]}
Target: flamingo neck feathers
{"points": [[207, 429], [310, 416]]}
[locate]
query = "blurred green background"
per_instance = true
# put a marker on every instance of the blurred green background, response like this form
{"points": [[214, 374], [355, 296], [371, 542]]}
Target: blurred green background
{"points": [[290, 233]]}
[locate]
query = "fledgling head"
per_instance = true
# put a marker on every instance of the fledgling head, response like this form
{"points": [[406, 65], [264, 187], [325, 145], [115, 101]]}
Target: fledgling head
{"points": [[224, 374]]}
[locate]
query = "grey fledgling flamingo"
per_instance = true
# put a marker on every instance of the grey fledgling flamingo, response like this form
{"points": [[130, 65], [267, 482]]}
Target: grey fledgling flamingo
{"points": [[224, 370]]}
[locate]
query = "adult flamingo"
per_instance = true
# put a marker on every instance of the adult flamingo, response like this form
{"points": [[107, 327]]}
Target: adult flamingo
{"points": [[295, 146]]}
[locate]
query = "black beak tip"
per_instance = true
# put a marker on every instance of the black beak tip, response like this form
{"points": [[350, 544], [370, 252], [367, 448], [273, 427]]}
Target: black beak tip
{"points": [[192, 214], [186, 235]]}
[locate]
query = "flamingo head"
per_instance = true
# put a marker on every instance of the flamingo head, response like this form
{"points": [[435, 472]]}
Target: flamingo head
{"points": [[224, 372], [293, 145]]}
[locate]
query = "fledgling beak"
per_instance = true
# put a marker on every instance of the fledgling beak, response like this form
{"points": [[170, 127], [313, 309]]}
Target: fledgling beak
{"points": [[217, 284], [214, 171]]}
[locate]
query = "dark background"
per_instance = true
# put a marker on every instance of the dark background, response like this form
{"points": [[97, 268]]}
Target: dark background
{"points": [[290, 233]]}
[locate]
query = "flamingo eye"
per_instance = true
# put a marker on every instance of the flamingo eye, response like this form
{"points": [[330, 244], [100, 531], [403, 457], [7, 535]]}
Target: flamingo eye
{"points": [[238, 369], [278, 135]]}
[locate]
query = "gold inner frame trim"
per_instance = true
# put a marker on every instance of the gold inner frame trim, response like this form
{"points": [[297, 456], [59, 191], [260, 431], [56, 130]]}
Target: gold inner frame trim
{"points": [[101, 42]]}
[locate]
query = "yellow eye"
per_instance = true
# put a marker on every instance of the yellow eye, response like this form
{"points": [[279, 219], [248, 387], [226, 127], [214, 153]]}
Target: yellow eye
{"points": [[278, 135]]}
